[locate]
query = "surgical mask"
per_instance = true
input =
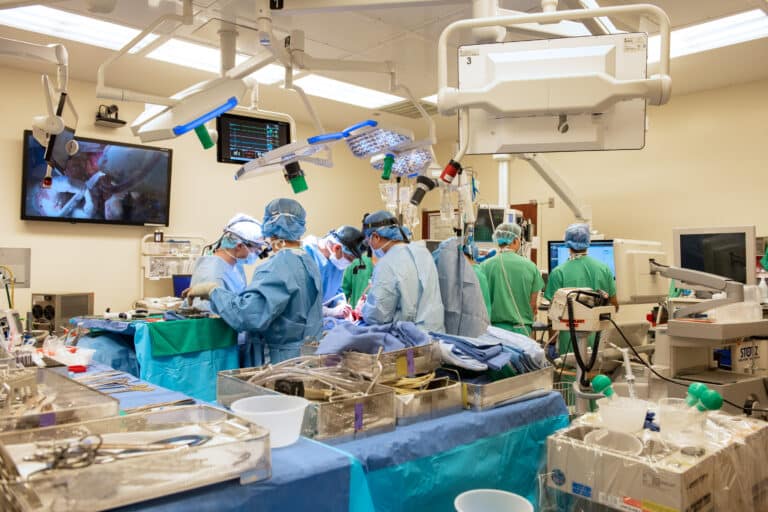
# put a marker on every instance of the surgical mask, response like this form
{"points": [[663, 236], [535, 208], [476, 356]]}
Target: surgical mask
{"points": [[251, 259], [379, 253], [339, 263]]}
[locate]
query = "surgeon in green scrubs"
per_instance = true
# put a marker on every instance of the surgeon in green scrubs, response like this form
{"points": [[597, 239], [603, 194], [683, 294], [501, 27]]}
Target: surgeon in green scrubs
{"points": [[514, 283], [580, 271]]}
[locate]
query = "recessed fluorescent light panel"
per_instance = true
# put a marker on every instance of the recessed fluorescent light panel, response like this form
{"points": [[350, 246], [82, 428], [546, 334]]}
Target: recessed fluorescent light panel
{"points": [[430, 99], [344, 92], [739, 28], [74, 27]]}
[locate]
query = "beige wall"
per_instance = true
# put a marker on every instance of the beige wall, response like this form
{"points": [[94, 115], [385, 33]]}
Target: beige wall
{"points": [[105, 259], [705, 163]]}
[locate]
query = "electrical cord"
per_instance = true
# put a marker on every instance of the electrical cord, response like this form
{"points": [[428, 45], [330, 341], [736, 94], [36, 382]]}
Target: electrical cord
{"points": [[667, 379], [585, 368]]}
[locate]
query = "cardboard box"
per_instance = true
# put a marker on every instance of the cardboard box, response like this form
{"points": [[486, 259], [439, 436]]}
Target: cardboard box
{"points": [[725, 471]]}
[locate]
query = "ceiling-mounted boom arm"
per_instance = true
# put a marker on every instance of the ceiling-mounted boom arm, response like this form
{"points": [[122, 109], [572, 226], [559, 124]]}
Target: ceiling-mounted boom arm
{"points": [[544, 169]]}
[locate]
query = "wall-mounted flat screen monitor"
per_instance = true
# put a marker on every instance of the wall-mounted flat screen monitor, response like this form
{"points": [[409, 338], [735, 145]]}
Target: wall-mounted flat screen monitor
{"points": [[243, 138], [104, 182]]}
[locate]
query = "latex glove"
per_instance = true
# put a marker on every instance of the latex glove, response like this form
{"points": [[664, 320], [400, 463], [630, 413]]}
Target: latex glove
{"points": [[202, 290], [342, 310]]}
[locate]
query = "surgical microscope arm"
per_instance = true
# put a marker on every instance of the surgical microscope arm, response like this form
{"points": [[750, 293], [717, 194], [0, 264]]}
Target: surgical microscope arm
{"points": [[734, 290]]}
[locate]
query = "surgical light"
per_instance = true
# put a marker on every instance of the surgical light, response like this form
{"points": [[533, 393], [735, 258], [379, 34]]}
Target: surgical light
{"points": [[195, 106], [368, 138], [407, 163]]}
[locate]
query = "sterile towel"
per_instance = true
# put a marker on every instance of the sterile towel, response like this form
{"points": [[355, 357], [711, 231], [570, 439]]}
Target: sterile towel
{"points": [[491, 354], [369, 338]]}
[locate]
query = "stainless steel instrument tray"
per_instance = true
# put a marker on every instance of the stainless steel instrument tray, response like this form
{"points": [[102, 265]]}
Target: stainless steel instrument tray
{"points": [[72, 402], [236, 449], [441, 400], [405, 362], [338, 420], [479, 397]]}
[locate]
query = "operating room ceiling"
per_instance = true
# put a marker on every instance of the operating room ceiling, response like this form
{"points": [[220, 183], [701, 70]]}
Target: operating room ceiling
{"points": [[404, 35]]}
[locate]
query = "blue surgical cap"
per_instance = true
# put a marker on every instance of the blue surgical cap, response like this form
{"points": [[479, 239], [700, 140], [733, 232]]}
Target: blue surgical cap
{"points": [[385, 224], [577, 237], [285, 219], [506, 233]]}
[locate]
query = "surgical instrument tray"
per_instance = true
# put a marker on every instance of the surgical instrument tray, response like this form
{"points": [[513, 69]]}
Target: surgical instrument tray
{"points": [[479, 397], [406, 362], [343, 405], [107, 463], [440, 397], [37, 397]]}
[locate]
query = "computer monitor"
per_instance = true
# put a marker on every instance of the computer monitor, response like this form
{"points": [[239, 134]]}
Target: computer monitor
{"points": [[727, 252], [488, 219], [243, 138], [634, 282], [601, 250]]}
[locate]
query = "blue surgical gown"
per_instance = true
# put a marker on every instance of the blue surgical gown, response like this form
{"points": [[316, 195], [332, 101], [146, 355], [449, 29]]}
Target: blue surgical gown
{"points": [[329, 274], [214, 269], [279, 309], [405, 287]]}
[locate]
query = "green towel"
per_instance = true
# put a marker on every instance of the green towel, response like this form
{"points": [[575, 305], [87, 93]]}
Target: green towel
{"points": [[193, 335]]}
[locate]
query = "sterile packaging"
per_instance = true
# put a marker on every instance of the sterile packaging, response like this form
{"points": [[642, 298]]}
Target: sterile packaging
{"points": [[102, 464]]}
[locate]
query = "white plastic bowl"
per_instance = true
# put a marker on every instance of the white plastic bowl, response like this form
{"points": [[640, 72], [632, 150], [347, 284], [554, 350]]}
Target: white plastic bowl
{"points": [[491, 500], [282, 415], [623, 414], [616, 441]]}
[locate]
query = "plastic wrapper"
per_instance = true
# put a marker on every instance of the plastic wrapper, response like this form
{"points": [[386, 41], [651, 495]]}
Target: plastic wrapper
{"points": [[720, 468], [102, 464], [37, 397], [343, 405]]}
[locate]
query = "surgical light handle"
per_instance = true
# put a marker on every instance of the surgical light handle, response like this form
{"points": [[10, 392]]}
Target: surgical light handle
{"points": [[661, 96]]}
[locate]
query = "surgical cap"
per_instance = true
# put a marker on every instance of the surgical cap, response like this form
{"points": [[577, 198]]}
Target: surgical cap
{"points": [[385, 224], [577, 237], [507, 233], [246, 228], [285, 219], [350, 238]]}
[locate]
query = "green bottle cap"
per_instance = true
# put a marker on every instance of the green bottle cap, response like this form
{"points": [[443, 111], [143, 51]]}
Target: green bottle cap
{"points": [[389, 160], [602, 384], [711, 400], [299, 184], [204, 137], [697, 389]]}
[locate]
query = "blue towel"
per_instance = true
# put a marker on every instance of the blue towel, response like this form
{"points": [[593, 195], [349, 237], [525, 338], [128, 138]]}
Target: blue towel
{"points": [[492, 355], [369, 338]]}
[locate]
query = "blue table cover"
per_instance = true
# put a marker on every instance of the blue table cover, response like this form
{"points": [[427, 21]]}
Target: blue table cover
{"points": [[420, 467], [424, 466]]}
